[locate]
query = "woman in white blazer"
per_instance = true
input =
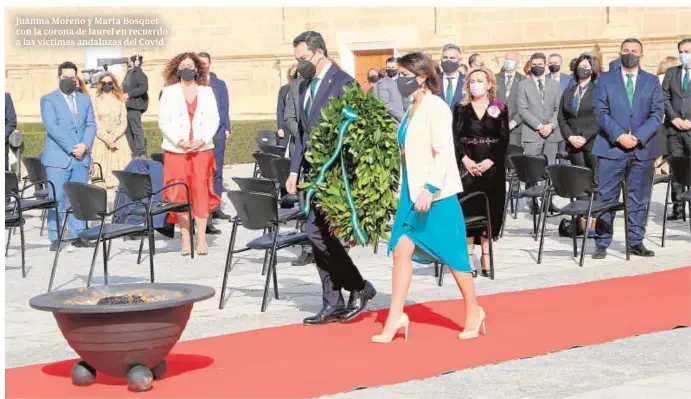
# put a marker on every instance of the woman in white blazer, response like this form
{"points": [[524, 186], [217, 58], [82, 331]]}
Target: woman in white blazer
{"points": [[429, 224], [188, 119]]}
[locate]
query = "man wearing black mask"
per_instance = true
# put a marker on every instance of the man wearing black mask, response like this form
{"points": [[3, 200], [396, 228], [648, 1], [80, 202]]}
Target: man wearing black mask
{"points": [[322, 81], [135, 87], [554, 64], [451, 79], [387, 91]]}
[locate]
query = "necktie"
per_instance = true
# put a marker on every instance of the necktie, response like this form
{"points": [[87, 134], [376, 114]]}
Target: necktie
{"points": [[73, 106], [577, 98], [509, 80], [541, 88], [313, 86], [449, 91], [629, 87], [687, 78]]}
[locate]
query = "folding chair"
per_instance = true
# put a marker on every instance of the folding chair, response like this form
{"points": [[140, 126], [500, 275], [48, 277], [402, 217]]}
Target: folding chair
{"points": [[13, 214], [530, 170], [36, 173]]}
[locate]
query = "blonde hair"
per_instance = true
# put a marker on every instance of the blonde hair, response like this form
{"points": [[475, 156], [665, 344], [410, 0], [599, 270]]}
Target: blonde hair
{"points": [[491, 93], [666, 63], [117, 90]]}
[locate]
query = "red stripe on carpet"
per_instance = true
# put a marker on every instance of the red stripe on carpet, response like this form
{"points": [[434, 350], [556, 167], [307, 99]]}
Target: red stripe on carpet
{"points": [[299, 361]]}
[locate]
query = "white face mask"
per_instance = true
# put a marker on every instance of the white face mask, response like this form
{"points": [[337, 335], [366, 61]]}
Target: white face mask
{"points": [[478, 89], [685, 59]]}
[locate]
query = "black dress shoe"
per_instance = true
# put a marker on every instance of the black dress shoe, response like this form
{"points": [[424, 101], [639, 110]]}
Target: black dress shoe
{"points": [[641, 250], [676, 216], [220, 215], [358, 301], [211, 230], [82, 243], [485, 273], [305, 258], [600, 253], [53, 245], [326, 315]]}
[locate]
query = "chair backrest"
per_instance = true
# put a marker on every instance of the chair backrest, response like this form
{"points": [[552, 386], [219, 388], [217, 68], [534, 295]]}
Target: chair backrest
{"points": [[137, 186], [88, 202], [511, 150], [35, 170], [273, 149], [570, 181], [256, 185], [256, 210], [529, 169], [681, 170], [265, 137], [158, 157], [11, 183], [264, 162], [282, 170]]}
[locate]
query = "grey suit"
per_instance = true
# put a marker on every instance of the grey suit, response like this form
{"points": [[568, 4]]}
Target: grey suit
{"points": [[512, 103], [290, 115], [535, 112], [386, 89]]}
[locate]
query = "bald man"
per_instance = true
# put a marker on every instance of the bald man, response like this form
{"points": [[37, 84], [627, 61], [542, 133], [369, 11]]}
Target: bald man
{"points": [[507, 83]]}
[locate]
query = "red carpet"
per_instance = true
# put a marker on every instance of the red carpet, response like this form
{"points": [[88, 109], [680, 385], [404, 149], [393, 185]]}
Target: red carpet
{"points": [[297, 361]]}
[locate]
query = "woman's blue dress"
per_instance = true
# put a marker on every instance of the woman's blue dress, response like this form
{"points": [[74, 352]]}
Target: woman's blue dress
{"points": [[438, 234]]}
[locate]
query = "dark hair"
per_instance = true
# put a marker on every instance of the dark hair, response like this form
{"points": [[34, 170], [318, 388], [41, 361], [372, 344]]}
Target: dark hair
{"points": [[170, 72], [682, 42], [631, 40], [313, 40], [538, 56], [67, 65], [205, 55], [136, 57], [573, 64], [555, 55], [594, 65], [420, 64], [472, 58], [391, 59]]}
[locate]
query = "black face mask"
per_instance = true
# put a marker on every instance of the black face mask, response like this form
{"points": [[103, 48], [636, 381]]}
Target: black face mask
{"points": [[582, 73], [391, 72], [407, 85], [307, 69], [373, 78], [630, 60], [449, 66], [67, 86], [107, 87], [537, 70], [554, 68], [187, 74]]}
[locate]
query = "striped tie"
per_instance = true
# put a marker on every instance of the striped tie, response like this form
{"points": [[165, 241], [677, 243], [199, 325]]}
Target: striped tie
{"points": [[310, 98], [73, 106]]}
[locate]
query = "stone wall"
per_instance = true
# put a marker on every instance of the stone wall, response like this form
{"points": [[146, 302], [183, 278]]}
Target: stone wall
{"points": [[252, 47]]}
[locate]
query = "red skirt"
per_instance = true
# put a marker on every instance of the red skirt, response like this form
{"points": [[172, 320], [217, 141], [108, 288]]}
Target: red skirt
{"points": [[196, 169]]}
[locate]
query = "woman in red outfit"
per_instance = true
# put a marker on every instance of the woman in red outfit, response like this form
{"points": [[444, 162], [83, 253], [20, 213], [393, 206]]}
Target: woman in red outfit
{"points": [[188, 119]]}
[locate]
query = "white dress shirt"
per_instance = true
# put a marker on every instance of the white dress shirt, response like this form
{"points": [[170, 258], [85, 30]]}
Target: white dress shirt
{"points": [[319, 83], [634, 77], [454, 82]]}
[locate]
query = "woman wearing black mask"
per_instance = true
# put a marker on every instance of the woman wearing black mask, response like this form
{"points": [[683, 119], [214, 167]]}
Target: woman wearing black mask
{"points": [[110, 148], [577, 119], [188, 119], [372, 79], [429, 222]]}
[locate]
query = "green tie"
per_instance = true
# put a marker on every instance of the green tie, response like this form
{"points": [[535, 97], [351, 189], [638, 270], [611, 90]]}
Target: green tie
{"points": [[449, 91], [685, 83], [308, 106], [629, 87]]}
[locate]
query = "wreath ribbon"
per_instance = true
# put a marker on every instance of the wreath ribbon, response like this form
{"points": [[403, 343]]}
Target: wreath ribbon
{"points": [[350, 116]]}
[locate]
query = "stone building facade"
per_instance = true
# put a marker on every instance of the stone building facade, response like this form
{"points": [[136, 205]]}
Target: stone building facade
{"points": [[252, 47]]}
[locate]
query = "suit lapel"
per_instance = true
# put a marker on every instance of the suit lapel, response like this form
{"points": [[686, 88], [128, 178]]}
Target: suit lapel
{"points": [[302, 90], [622, 86], [61, 102], [458, 94], [322, 94], [638, 90]]}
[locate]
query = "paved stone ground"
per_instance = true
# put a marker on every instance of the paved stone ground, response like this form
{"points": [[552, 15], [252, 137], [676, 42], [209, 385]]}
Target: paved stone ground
{"points": [[653, 365]]}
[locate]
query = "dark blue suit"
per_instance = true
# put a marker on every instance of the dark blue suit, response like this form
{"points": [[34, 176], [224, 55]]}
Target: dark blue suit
{"points": [[221, 92], [457, 94], [336, 270], [617, 164], [10, 125]]}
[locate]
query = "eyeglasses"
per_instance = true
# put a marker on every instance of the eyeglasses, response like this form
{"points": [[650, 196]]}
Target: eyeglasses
{"points": [[107, 83]]}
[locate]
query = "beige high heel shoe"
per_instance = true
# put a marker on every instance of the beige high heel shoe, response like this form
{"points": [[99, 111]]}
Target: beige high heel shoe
{"points": [[402, 322], [472, 334]]}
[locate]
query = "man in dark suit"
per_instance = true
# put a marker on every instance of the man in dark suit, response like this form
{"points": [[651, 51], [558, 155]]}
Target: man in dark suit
{"points": [[387, 91], [323, 80], [221, 92], [135, 87], [554, 63], [676, 90], [10, 125], [507, 85], [451, 79], [629, 107]]}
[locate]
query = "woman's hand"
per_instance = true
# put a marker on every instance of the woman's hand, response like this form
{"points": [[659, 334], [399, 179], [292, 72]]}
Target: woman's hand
{"points": [[423, 201], [576, 141], [196, 145], [471, 166], [184, 145], [485, 165]]}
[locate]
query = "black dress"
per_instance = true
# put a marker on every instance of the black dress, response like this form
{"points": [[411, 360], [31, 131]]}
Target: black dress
{"points": [[480, 139]]}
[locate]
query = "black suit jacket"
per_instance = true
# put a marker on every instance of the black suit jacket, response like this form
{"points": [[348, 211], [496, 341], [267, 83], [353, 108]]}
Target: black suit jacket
{"points": [[582, 123], [677, 102], [512, 101], [136, 85], [332, 86]]}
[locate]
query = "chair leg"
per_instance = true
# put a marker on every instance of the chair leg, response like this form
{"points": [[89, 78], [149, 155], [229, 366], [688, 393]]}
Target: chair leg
{"points": [[440, 280], [21, 235], [43, 221], [229, 259], [265, 300], [151, 251], [93, 258], [275, 276], [574, 231], [535, 221], [141, 248], [192, 228], [9, 236], [376, 245], [57, 254], [543, 218], [105, 262], [664, 215], [585, 237], [436, 269], [507, 202], [491, 249], [110, 244]]}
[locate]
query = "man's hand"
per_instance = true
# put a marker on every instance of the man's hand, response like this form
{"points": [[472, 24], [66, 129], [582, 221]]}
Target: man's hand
{"points": [[627, 141], [125, 96], [423, 201], [679, 123], [512, 125], [79, 150], [546, 130], [576, 141], [280, 133], [227, 134], [687, 124], [292, 184]]}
